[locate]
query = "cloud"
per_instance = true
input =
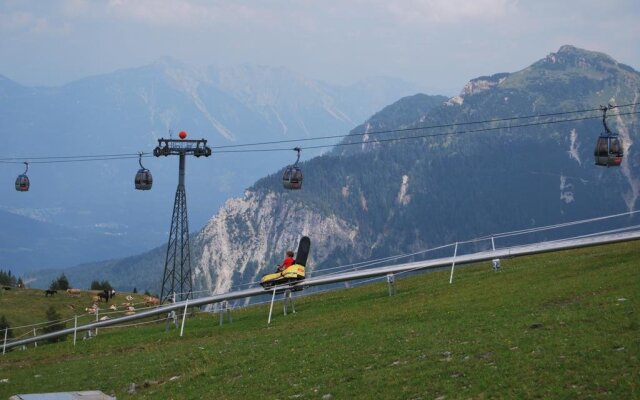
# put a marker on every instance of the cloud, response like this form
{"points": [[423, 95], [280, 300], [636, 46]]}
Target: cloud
{"points": [[16, 21], [184, 13], [26, 22], [450, 12]]}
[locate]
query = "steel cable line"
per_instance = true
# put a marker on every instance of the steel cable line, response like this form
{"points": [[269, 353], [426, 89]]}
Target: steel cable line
{"points": [[418, 128], [66, 157], [221, 149], [426, 136], [69, 159]]}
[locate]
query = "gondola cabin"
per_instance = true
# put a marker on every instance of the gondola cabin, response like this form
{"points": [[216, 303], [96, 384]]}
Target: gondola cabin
{"points": [[143, 180], [292, 178], [22, 183], [292, 175], [608, 152]]}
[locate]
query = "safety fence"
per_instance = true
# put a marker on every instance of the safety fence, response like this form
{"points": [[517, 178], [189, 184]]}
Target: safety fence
{"points": [[362, 273]]}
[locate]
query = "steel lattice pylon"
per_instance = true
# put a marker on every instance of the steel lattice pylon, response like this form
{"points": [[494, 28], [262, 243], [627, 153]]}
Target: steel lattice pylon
{"points": [[177, 266]]}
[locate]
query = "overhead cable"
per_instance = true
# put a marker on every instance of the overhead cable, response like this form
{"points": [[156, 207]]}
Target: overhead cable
{"points": [[242, 148]]}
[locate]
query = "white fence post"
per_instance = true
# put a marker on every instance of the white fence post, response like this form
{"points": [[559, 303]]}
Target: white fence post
{"points": [[453, 264], [271, 308], [4, 344], [184, 316], [75, 328], [35, 344]]}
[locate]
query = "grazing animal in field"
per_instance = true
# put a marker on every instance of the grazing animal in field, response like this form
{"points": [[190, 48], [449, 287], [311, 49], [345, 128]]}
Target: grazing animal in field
{"points": [[113, 307], [95, 299], [49, 292], [107, 294], [151, 301], [90, 310], [104, 295], [74, 292], [105, 318], [129, 298]]}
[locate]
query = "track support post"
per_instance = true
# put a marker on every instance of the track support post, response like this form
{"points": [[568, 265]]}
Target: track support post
{"points": [[391, 282], [288, 300], [225, 309], [172, 316]]}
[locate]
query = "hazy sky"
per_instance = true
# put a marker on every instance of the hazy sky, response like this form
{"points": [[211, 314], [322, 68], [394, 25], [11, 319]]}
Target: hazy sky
{"points": [[438, 44]]}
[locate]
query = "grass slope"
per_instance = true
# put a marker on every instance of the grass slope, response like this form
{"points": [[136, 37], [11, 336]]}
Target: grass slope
{"points": [[24, 307], [473, 339]]}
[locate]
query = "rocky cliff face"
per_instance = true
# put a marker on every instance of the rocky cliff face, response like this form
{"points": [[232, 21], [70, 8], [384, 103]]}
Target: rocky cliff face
{"points": [[242, 242]]}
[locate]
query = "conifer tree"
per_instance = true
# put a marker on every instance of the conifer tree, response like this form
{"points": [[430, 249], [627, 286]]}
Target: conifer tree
{"points": [[4, 324], [55, 324]]}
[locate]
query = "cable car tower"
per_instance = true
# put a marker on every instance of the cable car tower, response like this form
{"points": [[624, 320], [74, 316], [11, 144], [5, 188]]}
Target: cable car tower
{"points": [[177, 266]]}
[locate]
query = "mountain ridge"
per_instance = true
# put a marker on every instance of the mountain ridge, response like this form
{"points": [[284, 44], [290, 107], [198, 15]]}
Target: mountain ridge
{"points": [[125, 112], [369, 198]]}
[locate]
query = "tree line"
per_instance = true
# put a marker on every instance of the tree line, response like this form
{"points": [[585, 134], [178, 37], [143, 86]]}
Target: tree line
{"points": [[8, 279]]}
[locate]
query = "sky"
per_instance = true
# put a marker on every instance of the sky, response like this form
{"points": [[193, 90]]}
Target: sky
{"points": [[437, 44]]}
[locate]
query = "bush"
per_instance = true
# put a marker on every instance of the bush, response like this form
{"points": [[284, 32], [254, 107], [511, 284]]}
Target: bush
{"points": [[60, 284], [104, 285], [55, 324], [4, 324]]}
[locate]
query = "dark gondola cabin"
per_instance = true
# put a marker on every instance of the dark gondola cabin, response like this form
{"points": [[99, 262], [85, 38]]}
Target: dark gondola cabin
{"points": [[292, 175], [608, 152], [143, 180], [22, 183], [292, 178]]}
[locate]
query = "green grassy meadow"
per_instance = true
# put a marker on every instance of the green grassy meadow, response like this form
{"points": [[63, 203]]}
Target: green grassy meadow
{"points": [[562, 325]]}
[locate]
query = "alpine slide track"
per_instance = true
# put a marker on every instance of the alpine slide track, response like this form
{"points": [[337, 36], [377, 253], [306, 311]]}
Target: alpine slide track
{"points": [[516, 251]]}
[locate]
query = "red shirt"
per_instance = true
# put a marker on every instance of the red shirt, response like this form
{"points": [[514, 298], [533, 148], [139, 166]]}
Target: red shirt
{"points": [[289, 261]]}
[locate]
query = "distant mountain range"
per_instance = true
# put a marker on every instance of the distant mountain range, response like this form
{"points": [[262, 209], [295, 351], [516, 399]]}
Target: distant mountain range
{"points": [[93, 204], [373, 197]]}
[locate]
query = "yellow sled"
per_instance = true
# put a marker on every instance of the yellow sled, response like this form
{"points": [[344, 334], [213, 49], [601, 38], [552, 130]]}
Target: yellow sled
{"points": [[292, 273]]}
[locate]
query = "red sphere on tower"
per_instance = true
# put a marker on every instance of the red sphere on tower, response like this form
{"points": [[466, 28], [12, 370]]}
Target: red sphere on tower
{"points": [[182, 134]]}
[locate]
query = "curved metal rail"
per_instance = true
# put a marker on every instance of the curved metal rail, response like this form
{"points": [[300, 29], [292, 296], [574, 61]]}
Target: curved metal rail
{"points": [[516, 251]]}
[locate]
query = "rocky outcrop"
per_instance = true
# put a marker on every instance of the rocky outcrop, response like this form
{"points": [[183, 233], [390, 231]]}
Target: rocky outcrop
{"points": [[249, 234]]}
